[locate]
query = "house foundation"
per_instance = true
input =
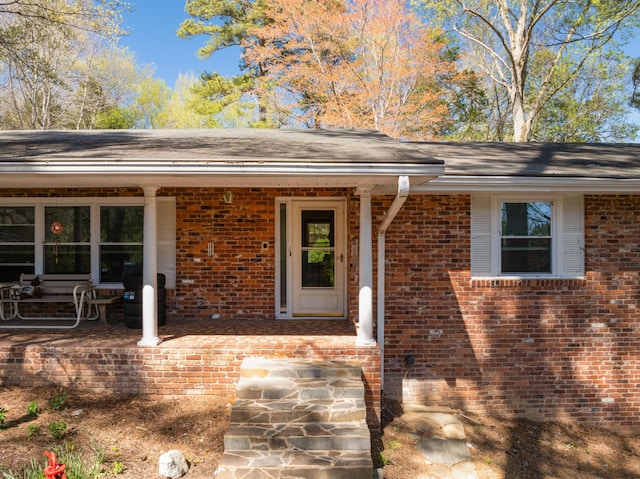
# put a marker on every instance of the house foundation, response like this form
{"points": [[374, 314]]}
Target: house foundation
{"points": [[195, 358]]}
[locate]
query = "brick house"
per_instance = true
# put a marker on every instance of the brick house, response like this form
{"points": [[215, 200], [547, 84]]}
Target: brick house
{"points": [[511, 271]]}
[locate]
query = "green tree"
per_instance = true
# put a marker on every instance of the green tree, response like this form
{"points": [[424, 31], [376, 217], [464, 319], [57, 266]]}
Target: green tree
{"points": [[227, 24], [535, 49], [115, 118], [180, 109], [591, 109], [230, 102], [470, 109], [106, 79], [151, 100]]}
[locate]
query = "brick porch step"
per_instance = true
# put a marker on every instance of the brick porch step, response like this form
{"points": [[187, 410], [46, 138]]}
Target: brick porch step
{"points": [[294, 419]]}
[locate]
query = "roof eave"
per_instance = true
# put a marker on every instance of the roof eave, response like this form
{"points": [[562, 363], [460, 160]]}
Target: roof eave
{"points": [[506, 184], [210, 173]]}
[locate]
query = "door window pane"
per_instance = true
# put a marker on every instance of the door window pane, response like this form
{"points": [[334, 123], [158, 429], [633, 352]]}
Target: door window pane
{"points": [[318, 257], [317, 229], [318, 269]]}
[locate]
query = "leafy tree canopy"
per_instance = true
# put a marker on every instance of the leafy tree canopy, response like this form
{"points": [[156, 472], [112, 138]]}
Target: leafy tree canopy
{"points": [[534, 49]]}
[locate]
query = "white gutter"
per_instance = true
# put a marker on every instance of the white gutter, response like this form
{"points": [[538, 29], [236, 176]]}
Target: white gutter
{"points": [[502, 184], [171, 167], [401, 197]]}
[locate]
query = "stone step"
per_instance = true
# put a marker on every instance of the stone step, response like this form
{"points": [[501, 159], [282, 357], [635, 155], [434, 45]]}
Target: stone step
{"points": [[260, 411], [257, 464], [263, 368], [305, 437], [297, 419], [300, 388]]}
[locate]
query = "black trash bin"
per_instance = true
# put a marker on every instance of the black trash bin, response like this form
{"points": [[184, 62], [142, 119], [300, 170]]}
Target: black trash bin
{"points": [[133, 300]]}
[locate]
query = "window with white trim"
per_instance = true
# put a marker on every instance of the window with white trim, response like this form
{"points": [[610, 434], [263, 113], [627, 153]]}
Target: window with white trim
{"points": [[121, 240], [527, 236], [82, 235], [17, 241]]}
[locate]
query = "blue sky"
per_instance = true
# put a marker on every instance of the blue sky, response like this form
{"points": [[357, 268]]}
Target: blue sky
{"points": [[153, 38]]}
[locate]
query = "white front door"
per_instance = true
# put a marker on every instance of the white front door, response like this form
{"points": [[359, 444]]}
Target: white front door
{"points": [[316, 252]]}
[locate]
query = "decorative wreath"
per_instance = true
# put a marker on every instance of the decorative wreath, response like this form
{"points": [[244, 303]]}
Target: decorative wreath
{"points": [[56, 228]]}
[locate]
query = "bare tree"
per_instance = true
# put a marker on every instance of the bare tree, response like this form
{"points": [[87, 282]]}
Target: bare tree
{"points": [[507, 37], [47, 48]]}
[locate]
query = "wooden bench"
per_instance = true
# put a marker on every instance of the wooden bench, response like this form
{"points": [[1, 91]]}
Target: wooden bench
{"points": [[102, 302], [75, 289]]}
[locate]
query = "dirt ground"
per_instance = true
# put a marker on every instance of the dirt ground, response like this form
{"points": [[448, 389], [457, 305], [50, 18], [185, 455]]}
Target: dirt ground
{"points": [[132, 433]]}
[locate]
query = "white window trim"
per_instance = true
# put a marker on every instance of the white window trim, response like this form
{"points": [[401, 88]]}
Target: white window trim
{"points": [[567, 232], [166, 222]]}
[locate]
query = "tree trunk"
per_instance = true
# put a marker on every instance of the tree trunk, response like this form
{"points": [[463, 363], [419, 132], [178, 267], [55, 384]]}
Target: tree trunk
{"points": [[520, 124], [519, 41]]}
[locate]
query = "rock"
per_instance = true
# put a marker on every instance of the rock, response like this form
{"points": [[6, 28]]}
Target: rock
{"points": [[454, 431], [173, 464], [444, 451], [464, 470]]}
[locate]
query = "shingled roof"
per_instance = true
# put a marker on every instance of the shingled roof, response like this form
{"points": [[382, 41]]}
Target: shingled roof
{"points": [[264, 145], [247, 157], [534, 167], [584, 160], [306, 158]]}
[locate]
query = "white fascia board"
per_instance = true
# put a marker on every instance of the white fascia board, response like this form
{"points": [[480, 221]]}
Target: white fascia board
{"points": [[505, 184], [231, 167]]}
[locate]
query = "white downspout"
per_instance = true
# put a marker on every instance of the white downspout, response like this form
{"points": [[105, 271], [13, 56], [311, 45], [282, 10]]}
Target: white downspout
{"points": [[401, 197]]}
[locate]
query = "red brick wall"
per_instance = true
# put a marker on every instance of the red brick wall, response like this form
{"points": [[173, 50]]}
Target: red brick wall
{"points": [[546, 349], [541, 348], [238, 282], [169, 371]]}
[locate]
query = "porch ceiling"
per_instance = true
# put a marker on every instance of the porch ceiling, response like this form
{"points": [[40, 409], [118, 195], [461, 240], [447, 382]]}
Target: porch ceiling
{"points": [[228, 158]]}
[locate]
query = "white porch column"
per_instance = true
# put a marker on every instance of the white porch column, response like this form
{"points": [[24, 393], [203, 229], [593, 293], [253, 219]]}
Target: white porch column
{"points": [[150, 271], [365, 266]]}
